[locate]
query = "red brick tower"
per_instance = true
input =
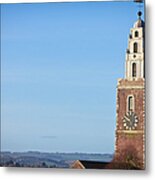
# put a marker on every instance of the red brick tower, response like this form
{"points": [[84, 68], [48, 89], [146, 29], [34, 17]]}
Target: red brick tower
{"points": [[130, 130]]}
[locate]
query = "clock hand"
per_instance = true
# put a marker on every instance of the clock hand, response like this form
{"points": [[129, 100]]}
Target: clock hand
{"points": [[127, 118]]}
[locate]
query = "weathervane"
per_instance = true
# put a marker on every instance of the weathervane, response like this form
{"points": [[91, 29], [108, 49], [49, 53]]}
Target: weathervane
{"points": [[139, 3]]}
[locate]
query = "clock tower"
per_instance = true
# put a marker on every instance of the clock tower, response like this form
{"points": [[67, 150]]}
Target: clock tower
{"points": [[130, 127]]}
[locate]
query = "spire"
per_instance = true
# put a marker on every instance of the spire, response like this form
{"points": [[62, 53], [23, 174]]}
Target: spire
{"points": [[139, 23]]}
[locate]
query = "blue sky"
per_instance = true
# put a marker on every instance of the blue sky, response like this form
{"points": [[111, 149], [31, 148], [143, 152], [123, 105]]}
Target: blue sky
{"points": [[59, 68]]}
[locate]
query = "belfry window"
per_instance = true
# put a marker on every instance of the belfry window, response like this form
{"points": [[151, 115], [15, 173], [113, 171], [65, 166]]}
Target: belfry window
{"points": [[130, 103], [136, 34], [135, 47], [134, 70]]}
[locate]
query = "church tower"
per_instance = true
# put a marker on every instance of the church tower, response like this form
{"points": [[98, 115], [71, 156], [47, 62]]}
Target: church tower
{"points": [[130, 128]]}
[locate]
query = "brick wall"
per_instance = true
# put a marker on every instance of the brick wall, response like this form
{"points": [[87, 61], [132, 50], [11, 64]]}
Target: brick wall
{"points": [[128, 141]]}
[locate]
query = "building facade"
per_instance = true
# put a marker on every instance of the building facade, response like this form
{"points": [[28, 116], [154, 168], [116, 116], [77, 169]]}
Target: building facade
{"points": [[130, 108]]}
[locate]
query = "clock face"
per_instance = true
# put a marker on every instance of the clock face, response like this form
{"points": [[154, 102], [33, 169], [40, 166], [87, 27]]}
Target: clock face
{"points": [[130, 121]]}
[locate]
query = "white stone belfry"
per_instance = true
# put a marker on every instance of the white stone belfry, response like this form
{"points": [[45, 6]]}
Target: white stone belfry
{"points": [[135, 52]]}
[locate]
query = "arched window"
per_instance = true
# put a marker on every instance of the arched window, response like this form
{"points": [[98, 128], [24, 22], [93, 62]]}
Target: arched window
{"points": [[130, 103], [136, 34], [135, 47], [134, 70]]}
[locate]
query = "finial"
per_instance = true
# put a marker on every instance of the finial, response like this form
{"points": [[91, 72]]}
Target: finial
{"points": [[139, 14]]}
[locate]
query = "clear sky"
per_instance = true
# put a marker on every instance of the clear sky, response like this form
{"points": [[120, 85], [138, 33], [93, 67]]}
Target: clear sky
{"points": [[59, 68]]}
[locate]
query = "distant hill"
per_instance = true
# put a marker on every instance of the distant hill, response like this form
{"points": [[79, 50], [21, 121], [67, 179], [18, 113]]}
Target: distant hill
{"points": [[48, 160]]}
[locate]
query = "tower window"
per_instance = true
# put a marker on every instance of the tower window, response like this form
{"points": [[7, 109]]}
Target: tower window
{"points": [[135, 47], [136, 33], [130, 103], [134, 70]]}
